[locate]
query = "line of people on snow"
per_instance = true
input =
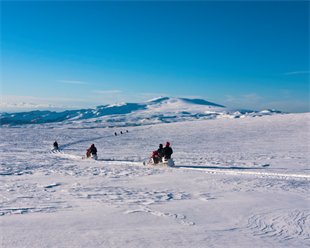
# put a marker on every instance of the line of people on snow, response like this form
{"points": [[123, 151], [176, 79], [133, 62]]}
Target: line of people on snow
{"points": [[91, 152], [121, 132], [160, 155]]}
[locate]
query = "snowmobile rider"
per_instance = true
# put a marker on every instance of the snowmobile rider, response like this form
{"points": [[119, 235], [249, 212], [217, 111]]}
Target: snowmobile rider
{"points": [[167, 151], [93, 149], [154, 156], [160, 152], [55, 145]]}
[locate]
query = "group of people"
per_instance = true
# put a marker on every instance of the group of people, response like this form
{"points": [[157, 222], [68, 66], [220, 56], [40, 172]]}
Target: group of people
{"points": [[90, 152], [162, 153], [121, 132]]}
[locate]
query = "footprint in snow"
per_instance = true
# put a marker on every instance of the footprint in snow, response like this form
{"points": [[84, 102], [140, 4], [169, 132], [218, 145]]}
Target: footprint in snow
{"points": [[161, 214]]}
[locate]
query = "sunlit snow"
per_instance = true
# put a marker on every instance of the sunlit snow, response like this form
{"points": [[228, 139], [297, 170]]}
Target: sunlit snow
{"points": [[237, 182]]}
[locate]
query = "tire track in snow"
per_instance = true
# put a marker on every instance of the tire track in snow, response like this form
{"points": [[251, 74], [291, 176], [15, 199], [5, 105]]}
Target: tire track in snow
{"points": [[232, 171], [259, 174]]}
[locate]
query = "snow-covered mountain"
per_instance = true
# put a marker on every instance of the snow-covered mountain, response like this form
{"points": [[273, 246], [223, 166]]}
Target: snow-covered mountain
{"points": [[159, 110]]}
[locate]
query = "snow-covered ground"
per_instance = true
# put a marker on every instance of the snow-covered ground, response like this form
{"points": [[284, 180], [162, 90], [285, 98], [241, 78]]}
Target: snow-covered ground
{"points": [[238, 182]]}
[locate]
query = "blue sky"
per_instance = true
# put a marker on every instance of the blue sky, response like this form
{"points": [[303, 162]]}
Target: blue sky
{"points": [[251, 55]]}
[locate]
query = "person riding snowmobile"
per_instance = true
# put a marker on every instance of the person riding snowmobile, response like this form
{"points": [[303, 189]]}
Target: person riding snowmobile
{"points": [[157, 156], [88, 153], [167, 151], [55, 145], [91, 151], [154, 157], [160, 152]]}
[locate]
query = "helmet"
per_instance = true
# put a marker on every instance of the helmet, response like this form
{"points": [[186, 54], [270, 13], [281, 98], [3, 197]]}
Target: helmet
{"points": [[160, 145], [167, 144], [92, 145]]}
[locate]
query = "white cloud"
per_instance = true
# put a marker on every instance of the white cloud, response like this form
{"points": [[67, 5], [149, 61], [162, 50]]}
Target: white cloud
{"points": [[72, 82], [230, 98], [252, 97], [32, 105], [29, 103], [39, 100], [107, 91], [148, 96], [286, 93], [191, 97], [243, 99], [297, 72]]}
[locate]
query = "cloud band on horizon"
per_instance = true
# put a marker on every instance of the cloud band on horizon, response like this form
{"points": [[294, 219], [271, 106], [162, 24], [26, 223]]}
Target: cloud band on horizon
{"points": [[72, 82], [297, 72], [107, 91]]}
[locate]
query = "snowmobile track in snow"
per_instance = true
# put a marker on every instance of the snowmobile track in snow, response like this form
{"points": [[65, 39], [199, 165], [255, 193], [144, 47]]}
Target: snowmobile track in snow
{"points": [[219, 170], [259, 174]]}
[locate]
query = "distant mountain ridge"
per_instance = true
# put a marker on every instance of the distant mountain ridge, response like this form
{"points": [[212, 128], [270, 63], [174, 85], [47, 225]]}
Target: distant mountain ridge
{"points": [[159, 110]]}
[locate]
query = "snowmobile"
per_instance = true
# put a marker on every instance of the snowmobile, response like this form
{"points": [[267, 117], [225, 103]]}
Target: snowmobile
{"points": [[55, 149], [89, 155], [92, 156], [159, 161]]}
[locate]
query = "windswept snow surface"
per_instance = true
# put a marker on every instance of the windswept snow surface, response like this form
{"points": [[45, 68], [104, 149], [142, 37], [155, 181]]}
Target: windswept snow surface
{"points": [[237, 183]]}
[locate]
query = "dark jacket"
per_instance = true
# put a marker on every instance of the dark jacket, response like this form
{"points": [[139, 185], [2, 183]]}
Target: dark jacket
{"points": [[160, 152], [167, 152], [93, 150]]}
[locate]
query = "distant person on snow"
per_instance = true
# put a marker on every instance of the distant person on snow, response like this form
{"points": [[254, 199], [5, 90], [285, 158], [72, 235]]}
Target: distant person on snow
{"points": [[167, 151], [55, 145]]}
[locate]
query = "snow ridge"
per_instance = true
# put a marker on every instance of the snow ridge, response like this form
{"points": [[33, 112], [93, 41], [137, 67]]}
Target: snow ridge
{"points": [[155, 111]]}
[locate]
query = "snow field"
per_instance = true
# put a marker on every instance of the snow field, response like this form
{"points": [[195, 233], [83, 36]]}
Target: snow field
{"points": [[236, 183]]}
